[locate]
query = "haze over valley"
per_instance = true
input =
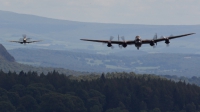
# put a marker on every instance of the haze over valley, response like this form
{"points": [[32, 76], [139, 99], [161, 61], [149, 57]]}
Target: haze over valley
{"points": [[48, 65], [62, 48], [66, 35]]}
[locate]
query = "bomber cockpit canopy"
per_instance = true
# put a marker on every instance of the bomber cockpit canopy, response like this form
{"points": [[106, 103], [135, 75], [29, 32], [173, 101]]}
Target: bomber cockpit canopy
{"points": [[137, 37]]}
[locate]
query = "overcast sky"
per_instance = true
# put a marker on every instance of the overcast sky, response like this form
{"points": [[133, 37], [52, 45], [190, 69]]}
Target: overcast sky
{"points": [[159, 12]]}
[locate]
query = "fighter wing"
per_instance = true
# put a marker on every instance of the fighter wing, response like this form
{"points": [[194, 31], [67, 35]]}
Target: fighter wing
{"points": [[16, 41], [104, 41], [147, 41], [33, 41]]}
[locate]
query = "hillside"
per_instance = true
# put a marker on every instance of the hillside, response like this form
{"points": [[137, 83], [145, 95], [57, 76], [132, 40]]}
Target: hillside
{"points": [[132, 61], [8, 63], [4, 55], [66, 35], [116, 92]]}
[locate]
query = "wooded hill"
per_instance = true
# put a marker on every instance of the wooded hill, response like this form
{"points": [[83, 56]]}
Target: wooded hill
{"points": [[8, 63], [113, 92]]}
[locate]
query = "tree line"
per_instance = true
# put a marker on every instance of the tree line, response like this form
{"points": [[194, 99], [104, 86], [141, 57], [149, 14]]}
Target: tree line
{"points": [[111, 92]]}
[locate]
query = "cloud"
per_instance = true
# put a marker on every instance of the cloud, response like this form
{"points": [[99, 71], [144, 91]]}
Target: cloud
{"points": [[111, 11]]}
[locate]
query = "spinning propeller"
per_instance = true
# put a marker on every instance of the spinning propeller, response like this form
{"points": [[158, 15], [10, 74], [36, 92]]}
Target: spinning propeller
{"points": [[167, 40], [109, 44], [124, 42], [153, 43]]}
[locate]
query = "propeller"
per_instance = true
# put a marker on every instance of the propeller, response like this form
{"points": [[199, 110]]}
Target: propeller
{"points": [[153, 43], [109, 44], [24, 35], [124, 42], [122, 37], [167, 40], [109, 41], [154, 38], [111, 38], [120, 46], [28, 38], [21, 39]]}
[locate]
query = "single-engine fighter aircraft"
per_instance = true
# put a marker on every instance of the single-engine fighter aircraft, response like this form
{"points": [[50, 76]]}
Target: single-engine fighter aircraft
{"points": [[25, 40], [138, 41]]}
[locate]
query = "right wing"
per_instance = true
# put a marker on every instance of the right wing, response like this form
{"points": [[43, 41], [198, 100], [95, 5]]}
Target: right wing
{"points": [[147, 41], [172, 37], [104, 41]]}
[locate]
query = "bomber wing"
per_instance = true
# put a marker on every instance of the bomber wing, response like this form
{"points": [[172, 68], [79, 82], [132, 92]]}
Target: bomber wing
{"points": [[172, 37], [104, 41], [129, 42], [147, 41]]}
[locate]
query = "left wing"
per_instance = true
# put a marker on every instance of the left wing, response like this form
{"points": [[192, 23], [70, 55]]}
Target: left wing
{"points": [[33, 41], [15, 41], [147, 41], [173, 37]]}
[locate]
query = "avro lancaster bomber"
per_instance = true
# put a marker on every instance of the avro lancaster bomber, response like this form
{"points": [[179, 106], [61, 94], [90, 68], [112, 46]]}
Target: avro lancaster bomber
{"points": [[138, 41]]}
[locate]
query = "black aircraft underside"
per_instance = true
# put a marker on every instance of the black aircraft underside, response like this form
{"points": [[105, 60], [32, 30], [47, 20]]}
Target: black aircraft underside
{"points": [[138, 41]]}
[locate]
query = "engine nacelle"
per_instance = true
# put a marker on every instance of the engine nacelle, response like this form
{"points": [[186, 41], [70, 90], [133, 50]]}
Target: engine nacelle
{"points": [[152, 43], [109, 45], [167, 41], [124, 45]]}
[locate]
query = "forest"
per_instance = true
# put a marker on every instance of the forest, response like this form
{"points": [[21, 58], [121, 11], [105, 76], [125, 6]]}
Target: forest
{"points": [[110, 92]]}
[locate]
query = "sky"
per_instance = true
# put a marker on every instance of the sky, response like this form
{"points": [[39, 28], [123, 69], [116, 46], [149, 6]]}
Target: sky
{"points": [[152, 12]]}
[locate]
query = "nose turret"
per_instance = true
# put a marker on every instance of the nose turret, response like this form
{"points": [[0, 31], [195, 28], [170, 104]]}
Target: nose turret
{"points": [[137, 38], [138, 42]]}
